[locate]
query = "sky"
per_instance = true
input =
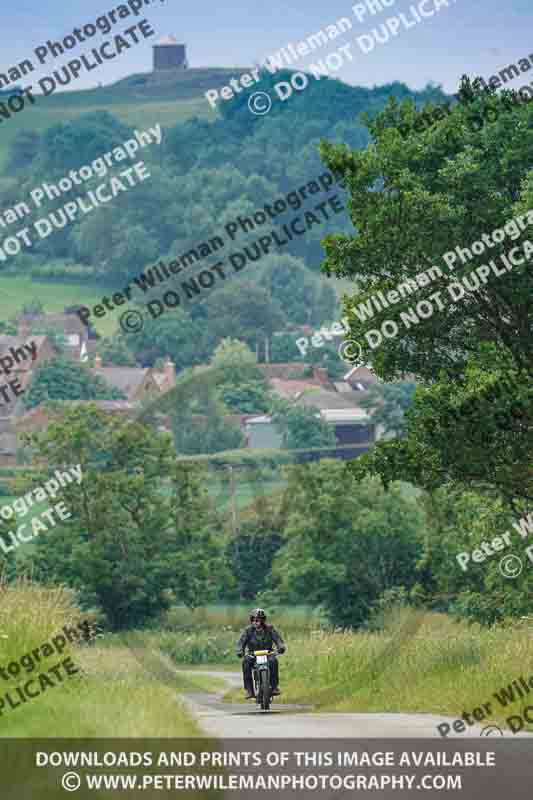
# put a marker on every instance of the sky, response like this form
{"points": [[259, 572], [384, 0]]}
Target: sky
{"points": [[477, 37]]}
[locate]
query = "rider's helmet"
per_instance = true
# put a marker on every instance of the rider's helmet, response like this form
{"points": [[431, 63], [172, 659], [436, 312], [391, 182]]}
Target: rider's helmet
{"points": [[258, 613]]}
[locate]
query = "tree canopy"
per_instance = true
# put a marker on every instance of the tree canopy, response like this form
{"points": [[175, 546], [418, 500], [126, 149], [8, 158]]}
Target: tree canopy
{"points": [[416, 196], [130, 547], [63, 379]]}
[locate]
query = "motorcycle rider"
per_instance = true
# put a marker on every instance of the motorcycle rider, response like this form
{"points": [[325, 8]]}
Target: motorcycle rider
{"points": [[259, 636]]}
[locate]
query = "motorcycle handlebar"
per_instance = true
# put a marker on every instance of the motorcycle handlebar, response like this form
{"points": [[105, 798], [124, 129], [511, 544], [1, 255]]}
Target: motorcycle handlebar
{"points": [[263, 652], [267, 652]]}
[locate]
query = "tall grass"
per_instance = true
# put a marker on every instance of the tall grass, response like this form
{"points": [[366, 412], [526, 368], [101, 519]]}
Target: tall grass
{"points": [[113, 695], [292, 619], [420, 662], [209, 635]]}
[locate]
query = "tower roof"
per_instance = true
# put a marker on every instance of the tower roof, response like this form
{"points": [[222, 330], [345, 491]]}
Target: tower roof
{"points": [[169, 39]]}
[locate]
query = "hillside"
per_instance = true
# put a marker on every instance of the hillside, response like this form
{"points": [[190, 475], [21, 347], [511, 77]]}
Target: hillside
{"points": [[206, 169], [172, 98]]}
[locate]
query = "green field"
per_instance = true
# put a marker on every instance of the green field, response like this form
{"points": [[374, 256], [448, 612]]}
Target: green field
{"points": [[15, 291], [246, 492], [139, 101]]}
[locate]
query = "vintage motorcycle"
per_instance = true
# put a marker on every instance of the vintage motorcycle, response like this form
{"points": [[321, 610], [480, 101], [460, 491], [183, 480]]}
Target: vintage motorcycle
{"points": [[261, 673]]}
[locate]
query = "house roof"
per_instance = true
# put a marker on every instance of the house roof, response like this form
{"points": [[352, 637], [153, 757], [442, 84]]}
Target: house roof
{"points": [[109, 405], [290, 389], [168, 39], [63, 323], [19, 341], [324, 400], [286, 371], [8, 443], [346, 416], [40, 416], [14, 404], [343, 387], [127, 379], [160, 378], [361, 374]]}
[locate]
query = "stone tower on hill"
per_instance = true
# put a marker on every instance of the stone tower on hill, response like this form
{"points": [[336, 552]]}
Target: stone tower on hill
{"points": [[169, 54]]}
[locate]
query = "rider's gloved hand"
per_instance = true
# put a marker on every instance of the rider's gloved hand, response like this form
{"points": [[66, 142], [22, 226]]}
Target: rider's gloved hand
{"points": [[281, 650], [240, 654]]}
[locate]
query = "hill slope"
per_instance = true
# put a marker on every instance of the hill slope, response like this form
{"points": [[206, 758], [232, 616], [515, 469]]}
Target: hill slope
{"points": [[171, 97]]}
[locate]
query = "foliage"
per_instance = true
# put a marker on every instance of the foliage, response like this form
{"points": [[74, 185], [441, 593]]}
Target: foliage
{"points": [[110, 679], [248, 311], [347, 542], [235, 363], [302, 297], [301, 427], [283, 348], [175, 336], [213, 173], [251, 551], [460, 522], [8, 328], [246, 398], [129, 547], [56, 337], [446, 666], [388, 403], [487, 417], [211, 433], [34, 307], [23, 150], [63, 379], [116, 351], [201, 647], [414, 197], [256, 459]]}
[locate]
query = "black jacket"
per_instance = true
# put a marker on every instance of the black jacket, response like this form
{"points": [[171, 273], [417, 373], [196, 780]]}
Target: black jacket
{"points": [[261, 639]]}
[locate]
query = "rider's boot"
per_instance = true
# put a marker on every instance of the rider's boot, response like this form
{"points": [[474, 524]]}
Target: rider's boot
{"points": [[249, 692]]}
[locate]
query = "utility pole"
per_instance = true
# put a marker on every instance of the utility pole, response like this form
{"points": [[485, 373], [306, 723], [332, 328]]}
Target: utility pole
{"points": [[232, 500]]}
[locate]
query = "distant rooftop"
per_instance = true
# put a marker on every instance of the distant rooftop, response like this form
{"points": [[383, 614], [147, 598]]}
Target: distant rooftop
{"points": [[169, 39]]}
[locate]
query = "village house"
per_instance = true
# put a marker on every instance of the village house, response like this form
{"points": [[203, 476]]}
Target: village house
{"points": [[337, 403], [22, 371], [137, 382], [80, 340]]}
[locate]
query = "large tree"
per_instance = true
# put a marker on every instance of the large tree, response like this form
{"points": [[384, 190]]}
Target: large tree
{"points": [[175, 335], [142, 533], [417, 194], [245, 310], [347, 542], [242, 387]]}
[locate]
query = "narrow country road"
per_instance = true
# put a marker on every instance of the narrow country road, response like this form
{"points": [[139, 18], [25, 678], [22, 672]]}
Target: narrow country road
{"points": [[243, 719]]}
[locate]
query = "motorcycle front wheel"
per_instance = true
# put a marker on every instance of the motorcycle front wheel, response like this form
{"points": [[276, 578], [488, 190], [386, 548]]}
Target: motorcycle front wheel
{"points": [[264, 689]]}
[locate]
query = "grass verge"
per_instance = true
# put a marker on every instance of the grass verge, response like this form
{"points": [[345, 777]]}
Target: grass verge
{"points": [[113, 695]]}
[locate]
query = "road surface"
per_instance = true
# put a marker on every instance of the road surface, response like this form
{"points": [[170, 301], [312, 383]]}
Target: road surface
{"points": [[244, 719]]}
